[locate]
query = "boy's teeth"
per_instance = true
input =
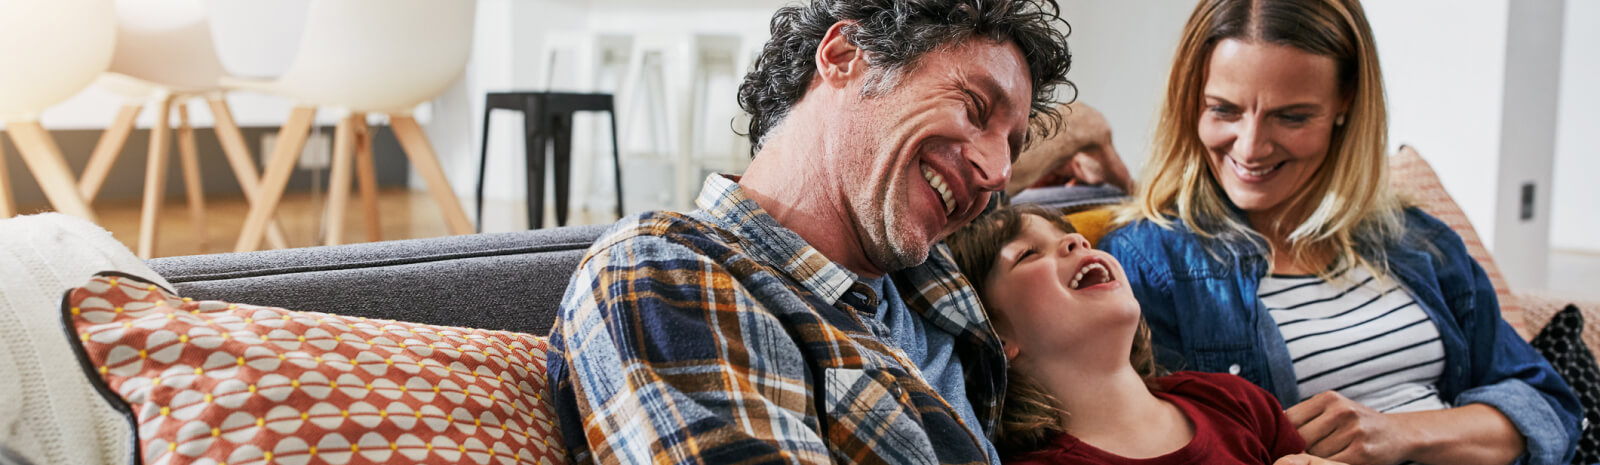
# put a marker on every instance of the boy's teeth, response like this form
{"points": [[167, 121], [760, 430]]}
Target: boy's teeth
{"points": [[1084, 271], [939, 186]]}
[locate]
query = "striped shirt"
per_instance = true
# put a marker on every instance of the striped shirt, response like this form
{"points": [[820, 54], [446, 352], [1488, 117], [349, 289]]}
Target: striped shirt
{"points": [[719, 336], [1363, 337]]}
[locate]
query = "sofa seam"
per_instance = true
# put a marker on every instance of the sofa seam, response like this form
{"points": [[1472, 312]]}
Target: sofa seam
{"points": [[299, 269]]}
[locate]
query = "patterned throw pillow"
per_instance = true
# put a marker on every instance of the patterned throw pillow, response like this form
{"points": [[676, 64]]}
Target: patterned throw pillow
{"points": [[215, 383], [1561, 342]]}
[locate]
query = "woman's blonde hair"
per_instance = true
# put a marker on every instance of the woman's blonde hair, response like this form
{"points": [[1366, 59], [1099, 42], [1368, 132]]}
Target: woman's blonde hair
{"points": [[1031, 416], [1346, 211]]}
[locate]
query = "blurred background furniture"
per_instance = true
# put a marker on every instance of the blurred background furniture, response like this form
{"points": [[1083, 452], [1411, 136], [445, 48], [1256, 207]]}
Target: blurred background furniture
{"points": [[256, 39], [678, 103], [164, 59], [51, 50], [360, 57], [547, 115]]}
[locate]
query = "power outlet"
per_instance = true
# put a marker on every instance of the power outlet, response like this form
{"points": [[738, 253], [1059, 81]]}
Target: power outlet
{"points": [[1526, 212], [317, 154]]}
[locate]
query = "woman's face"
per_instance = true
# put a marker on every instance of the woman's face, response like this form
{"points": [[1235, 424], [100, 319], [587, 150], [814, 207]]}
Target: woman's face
{"points": [[1058, 294], [1266, 120]]}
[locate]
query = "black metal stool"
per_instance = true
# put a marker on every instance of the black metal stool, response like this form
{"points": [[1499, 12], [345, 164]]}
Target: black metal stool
{"points": [[548, 115]]}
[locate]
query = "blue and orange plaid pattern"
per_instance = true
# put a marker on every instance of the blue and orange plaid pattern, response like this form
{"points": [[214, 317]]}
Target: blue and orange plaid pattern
{"points": [[718, 336]]}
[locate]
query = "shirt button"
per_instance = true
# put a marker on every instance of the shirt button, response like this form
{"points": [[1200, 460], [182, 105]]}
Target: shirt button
{"points": [[1233, 369]]}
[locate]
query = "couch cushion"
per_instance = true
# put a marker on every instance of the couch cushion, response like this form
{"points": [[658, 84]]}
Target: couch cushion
{"points": [[505, 281], [210, 382], [1415, 180]]}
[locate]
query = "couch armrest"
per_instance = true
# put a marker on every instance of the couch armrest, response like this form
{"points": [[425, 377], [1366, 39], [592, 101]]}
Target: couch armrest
{"points": [[1541, 306]]}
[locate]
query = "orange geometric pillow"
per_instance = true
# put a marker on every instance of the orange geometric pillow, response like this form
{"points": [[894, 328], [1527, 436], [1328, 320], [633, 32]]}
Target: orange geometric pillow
{"points": [[1415, 180], [218, 383]]}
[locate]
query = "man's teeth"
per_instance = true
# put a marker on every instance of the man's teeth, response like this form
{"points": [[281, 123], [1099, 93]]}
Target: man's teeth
{"points": [[1076, 280], [940, 187]]}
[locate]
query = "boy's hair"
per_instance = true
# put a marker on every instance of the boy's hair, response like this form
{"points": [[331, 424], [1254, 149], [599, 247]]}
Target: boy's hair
{"points": [[1031, 416]]}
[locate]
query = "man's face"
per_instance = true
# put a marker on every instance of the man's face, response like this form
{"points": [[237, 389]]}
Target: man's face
{"points": [[921, 160]]}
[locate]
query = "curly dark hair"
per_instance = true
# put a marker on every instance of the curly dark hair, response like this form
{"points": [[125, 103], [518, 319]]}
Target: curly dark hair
{"points": [[895, 34]]}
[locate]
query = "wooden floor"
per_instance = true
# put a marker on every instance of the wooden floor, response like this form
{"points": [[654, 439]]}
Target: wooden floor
{"points": [[403, 214]]}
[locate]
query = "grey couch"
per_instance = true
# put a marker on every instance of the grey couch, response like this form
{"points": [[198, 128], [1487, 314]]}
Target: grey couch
{"points": [[503, 281]]}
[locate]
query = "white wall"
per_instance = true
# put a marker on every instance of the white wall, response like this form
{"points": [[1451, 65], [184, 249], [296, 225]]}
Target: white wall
{"points": [[1121, 52], [1527, 140], [1573, 218], [1445, 82]]}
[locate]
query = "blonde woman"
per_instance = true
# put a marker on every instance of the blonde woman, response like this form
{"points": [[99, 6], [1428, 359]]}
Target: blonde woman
{"points": [[1264, 242]]}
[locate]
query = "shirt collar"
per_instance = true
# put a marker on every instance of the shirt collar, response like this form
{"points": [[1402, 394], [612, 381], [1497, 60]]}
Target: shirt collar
{"points": [[724, 203]]}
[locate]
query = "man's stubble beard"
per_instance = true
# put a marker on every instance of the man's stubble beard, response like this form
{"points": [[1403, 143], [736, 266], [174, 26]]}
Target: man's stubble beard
{"points": [[880, 220], [890, 250]]}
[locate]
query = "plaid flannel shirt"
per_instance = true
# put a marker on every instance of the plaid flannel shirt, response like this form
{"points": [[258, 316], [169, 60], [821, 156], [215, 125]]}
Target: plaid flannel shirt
{"points": [[719, 336]]}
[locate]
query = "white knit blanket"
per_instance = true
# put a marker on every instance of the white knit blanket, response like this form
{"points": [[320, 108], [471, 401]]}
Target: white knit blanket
{"points": [[48, 410]]}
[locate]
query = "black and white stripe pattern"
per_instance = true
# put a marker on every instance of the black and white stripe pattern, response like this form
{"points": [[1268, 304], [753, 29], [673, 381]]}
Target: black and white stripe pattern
{"points": [[1361, 336]]}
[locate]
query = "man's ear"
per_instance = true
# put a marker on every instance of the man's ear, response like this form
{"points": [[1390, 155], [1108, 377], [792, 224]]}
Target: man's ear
{"points": [[1011, 350], [838, 60]]}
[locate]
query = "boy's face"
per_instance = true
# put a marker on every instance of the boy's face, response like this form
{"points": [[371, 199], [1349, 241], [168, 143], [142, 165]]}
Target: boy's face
{"points": [[1058, 294]]}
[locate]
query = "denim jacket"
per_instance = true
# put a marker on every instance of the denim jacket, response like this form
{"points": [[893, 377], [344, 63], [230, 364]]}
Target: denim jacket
{"points": [[1204, 315]]}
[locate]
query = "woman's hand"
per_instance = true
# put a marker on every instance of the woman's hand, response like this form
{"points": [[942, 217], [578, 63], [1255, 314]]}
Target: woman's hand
{"points": [[1342, 429], [1305, 459]]}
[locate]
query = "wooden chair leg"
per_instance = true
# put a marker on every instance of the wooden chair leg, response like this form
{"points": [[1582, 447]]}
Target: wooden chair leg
{"points": [[367, 178], [291, 140], [242, 162], [339, 180], [106, 152], [420, 151], [193, 185], [8, 206], [155, 180], [44, 159]]}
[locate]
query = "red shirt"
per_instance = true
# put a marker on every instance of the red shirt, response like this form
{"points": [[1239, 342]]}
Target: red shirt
{"points": [[1235, 422]]}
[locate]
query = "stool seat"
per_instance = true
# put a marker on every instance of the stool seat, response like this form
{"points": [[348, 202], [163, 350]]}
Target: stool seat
{"points": [[547, 115]]}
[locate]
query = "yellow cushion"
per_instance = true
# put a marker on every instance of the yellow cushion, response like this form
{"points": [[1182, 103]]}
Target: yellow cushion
{"points": [[1092, 224]]}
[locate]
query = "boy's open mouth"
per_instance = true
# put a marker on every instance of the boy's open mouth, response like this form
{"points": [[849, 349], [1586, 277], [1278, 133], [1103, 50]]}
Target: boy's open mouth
{"points": [[1091, 273]]}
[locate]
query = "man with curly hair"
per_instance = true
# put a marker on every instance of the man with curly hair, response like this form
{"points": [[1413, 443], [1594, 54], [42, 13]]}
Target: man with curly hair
{"points": [[807, 312]]}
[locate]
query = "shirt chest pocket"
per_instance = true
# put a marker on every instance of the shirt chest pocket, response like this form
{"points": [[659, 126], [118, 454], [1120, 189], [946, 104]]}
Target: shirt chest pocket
{"points": [[864, 409]]}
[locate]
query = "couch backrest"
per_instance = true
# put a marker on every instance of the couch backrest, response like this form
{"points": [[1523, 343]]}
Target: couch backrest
{"points": [[505, 281]]}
